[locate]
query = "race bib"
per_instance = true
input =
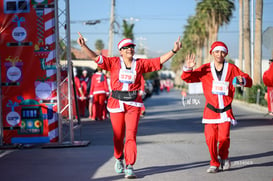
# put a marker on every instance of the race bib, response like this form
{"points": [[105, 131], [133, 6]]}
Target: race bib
{"points": [[220, 87], [127, 76]]}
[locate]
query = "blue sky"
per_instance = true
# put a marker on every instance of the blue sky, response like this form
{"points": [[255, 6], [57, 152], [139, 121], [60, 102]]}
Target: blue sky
{"points": [[157, 23]]}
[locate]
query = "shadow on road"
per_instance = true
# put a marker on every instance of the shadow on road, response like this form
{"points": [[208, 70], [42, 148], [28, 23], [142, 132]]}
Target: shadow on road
{"points": [[251, 122], [246, 161], [153, 170]]}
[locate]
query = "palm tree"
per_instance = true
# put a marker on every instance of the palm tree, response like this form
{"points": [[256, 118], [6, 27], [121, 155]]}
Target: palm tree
{"points": [[198, 35], [63, 51], [202, 29], [188, 47], [128, 30], [217, 13], [258, 42], [240, 56], [247, 59]]}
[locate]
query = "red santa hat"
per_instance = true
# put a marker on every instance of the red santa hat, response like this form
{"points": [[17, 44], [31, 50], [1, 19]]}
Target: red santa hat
{"points": [[218, 45], [125, 42]]}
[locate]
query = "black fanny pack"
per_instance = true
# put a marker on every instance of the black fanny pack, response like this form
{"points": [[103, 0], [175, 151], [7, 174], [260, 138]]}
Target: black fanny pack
{"points": [[211, 107], [125, 95]]}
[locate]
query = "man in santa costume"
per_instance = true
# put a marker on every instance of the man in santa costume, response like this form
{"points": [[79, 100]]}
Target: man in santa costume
{"points": [[99, 91], [125, 102], [219, 79], [86, 79], [268, 81]]}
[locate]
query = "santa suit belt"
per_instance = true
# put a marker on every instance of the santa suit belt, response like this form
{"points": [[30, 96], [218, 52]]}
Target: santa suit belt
{"points": [[125, 95], [211, 107]]}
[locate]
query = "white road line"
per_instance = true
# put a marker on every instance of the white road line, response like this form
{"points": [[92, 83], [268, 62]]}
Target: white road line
{"points": [[6, 153]]}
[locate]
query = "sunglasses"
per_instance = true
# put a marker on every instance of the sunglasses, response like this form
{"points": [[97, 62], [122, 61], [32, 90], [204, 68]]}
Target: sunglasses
{"points": [[130, 46]]}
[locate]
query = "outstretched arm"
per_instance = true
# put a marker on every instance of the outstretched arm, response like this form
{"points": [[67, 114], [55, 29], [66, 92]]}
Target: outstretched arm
{"points": [[85, 48], [177, 45]]}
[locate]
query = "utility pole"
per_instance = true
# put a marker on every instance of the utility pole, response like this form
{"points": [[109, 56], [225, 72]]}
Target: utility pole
{"points": [[111, 29]]}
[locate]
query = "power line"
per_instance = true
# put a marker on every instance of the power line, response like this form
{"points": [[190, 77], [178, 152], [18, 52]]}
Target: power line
{"points": [[149, 33]]}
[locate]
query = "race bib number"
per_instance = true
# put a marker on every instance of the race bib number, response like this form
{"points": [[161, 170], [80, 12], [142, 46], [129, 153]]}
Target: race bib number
{"points": [[220, 87], [126, 76]]}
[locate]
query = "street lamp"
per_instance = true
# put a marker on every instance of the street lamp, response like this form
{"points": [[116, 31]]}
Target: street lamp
{"points": [[132, 20], [91, 22]]}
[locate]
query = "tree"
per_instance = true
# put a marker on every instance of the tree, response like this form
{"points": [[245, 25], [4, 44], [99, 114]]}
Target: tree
{"points": [[218, 13], [240, 55], [197, 34], [63, 51], [246, 30], [99, 45], [128, 30], [247, 55], [202, 29], [258, 42]]}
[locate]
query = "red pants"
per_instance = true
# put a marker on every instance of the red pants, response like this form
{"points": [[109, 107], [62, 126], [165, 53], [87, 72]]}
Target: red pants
{"points": [[215, 133], [98, 106], [125, 122]]}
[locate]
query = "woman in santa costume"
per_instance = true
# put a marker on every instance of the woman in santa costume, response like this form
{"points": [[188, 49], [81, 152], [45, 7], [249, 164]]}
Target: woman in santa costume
{"points": [[125, 102], [99, 91], [218, 80], [268, 81]]}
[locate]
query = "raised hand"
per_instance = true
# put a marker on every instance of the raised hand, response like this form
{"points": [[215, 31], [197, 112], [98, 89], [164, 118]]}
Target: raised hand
{"points": [[80, 40], [90, 53], [177, 45], [190, 61]]}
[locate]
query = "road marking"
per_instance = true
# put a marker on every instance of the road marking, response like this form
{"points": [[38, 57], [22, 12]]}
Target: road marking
{"points": [[6, 153]]}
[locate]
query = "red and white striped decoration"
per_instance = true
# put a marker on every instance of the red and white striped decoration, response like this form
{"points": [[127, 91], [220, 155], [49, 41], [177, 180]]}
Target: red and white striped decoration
{"points": [[49, 25]]}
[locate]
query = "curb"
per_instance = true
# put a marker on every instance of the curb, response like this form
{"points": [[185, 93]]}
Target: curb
{"points": [[255, 107]]}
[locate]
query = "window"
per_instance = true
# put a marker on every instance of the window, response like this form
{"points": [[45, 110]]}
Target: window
{"points": [[16, 6]]}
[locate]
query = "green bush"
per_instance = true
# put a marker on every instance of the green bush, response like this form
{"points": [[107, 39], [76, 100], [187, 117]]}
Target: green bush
{"points": [[250, 94]]}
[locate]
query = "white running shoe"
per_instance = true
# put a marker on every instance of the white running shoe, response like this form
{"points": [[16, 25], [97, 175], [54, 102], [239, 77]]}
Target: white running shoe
{"points": [[212, 169], [226, 164]]}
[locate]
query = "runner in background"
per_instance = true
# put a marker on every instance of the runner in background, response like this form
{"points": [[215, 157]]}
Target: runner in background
{"points": [[162, 85], [87, 79], [80, 92], [268, 81], [168, 84], [157, 85], [99, 92]]}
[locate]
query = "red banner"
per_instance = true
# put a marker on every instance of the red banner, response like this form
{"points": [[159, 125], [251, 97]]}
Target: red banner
{"points": [[28, 71]]}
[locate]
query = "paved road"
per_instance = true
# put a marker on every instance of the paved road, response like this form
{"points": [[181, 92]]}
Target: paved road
{"points": [[171, 146]]}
